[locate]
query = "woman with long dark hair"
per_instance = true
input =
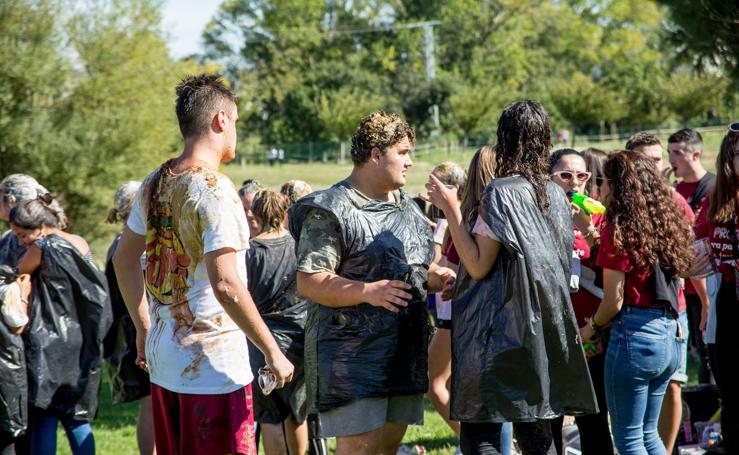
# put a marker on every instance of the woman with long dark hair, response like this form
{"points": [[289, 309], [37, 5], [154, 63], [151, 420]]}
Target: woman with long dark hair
{"points": [[68, 318], [568, 169], [272, 268], [718, 222], [515, 350], [645, 247]]}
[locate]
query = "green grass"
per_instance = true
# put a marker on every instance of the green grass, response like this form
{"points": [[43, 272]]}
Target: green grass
{"points": [[115, 426], [115, 430]]}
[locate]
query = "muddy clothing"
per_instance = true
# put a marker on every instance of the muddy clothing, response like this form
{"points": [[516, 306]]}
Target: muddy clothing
{"points": [[516, 349], [363, 351], [69, 316], [272, 266], [193, 345]]}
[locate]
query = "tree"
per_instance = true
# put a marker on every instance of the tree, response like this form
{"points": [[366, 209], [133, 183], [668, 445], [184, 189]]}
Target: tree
{"points": [[704, 32], [690, 96], [91, 101], [583, 102]]}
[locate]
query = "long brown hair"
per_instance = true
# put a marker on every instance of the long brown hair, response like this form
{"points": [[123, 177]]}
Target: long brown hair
{"points": [[646, 220], [479, 175], [723, 198], [269, 209]]}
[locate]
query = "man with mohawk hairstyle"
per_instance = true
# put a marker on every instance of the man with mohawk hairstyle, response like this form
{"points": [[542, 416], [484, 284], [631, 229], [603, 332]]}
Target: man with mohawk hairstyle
{"points": [[189, 220]]}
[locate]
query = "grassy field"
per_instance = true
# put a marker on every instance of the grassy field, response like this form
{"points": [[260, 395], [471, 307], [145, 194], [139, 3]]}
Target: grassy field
{"points": [[115, 425], [323, 175]]}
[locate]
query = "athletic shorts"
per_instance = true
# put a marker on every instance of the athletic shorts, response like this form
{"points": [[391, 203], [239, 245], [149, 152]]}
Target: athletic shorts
{"points": [[369, 414], [203, 424], [681, 375]]}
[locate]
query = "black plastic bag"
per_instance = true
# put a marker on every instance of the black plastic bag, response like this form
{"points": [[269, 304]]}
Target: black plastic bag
{"points": [[128, 382], [516, 350], [364, 351], [69, 317], [13, 390]]}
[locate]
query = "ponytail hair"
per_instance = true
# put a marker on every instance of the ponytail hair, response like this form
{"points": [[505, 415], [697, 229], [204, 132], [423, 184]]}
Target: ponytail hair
{"points": [[42, 211], [124, 199], [270, 209]]}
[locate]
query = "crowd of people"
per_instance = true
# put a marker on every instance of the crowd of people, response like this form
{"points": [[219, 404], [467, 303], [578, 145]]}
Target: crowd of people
{"points": [[293, 316]]}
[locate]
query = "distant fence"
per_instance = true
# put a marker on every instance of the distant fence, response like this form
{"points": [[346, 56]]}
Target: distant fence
{"points": [[430, 150]]}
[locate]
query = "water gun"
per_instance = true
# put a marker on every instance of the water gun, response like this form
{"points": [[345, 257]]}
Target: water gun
{"points": [[587, 203]]}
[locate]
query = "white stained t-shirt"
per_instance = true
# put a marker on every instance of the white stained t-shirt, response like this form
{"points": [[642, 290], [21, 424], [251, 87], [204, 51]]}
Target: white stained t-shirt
{"points": [[193, 346]]}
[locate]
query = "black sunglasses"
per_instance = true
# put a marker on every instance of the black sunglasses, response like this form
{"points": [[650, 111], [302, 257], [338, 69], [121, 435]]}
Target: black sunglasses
{"points": [[734, 127]]}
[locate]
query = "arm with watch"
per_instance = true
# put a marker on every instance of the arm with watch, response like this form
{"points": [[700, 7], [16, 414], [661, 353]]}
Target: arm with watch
{"points": [[610, 305]]}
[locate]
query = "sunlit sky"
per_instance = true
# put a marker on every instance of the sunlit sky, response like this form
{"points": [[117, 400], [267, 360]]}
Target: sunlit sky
{"points": [[184, 22]]}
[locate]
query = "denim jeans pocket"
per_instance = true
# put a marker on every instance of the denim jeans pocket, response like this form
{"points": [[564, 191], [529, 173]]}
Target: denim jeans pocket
{"points": [[648, 354]]}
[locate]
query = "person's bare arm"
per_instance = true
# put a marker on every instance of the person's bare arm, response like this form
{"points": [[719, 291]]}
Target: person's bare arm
{"points": [[478, 253], [127, 265], [333, 291], [440, 279], [610, 305], [234, 296], [31, 260], [700, 288]]}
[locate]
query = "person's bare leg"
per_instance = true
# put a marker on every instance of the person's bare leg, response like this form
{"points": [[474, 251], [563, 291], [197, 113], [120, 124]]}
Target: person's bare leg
{"points": [[145, 428], [273, 439], [296, 436], [359, 444], [392, 435], [440, 374], [670, 415]]}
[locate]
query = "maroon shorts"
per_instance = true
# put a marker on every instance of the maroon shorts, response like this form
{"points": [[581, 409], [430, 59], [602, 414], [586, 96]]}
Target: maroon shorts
{"points": [[203, 424]]}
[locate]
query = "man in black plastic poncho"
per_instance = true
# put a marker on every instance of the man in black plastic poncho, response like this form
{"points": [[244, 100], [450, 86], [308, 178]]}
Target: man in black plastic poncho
{"points": [[364, 252]]}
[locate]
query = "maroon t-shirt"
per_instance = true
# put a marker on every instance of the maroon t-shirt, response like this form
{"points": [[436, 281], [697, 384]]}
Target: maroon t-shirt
{"points": [[721, 240], [637, 288], [637, 285]]}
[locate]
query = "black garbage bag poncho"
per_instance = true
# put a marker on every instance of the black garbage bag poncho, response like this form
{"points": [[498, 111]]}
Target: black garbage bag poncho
{"points": [[13, 390], [128, 382], [363, 351], [516, 350], [272, 268], [69, 317]]}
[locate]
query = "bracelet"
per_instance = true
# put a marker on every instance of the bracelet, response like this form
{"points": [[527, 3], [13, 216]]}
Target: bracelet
{"points": [[596, 328]]}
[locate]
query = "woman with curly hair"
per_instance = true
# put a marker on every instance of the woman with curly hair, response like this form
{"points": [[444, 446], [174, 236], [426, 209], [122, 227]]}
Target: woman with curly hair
{"points": [[717, 220], [645, 247], [515, 350]]}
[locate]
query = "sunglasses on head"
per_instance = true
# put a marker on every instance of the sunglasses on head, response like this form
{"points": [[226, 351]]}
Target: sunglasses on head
{"points": [[569, 175], [734, 127]]}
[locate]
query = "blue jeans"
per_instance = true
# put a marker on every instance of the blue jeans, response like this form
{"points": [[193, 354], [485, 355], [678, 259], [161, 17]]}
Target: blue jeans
{"points": [[43, 425], [506, 438], [643, 353]]}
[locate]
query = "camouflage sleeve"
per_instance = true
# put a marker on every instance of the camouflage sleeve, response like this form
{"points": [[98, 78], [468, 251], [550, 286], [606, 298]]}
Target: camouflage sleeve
{"points": [[319, 247]]}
